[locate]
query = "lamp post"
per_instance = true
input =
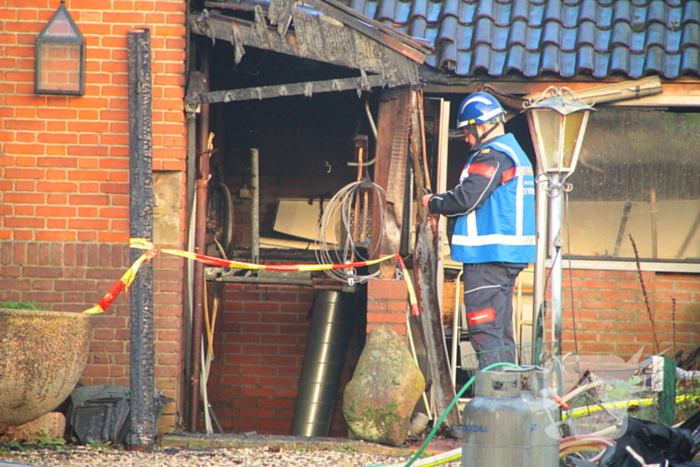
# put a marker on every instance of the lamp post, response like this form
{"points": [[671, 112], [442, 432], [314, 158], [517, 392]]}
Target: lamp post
{"points": [[557, 121]]}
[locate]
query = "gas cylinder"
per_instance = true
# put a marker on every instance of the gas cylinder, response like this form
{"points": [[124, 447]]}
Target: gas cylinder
{"points": [[545, 417], [497, 423]]}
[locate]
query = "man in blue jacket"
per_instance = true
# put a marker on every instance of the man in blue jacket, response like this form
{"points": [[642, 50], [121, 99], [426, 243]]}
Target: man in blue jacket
{"points": [[494, 233]]}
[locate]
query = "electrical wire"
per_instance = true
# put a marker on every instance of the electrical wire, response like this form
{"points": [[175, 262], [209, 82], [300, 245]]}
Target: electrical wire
{"points": [[337, 224]]}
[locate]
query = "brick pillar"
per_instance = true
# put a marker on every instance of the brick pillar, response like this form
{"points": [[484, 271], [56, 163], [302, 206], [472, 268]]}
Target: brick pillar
{"points": [[387, 301]]}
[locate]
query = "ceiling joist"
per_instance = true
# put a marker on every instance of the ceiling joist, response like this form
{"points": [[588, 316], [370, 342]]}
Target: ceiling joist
{"points": [[296, 89]]}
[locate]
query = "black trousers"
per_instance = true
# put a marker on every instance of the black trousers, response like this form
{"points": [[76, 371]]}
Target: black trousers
{"points": [[488, 298]]}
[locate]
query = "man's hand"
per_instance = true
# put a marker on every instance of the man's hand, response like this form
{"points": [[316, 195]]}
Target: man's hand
{"points": [[425, 200]]}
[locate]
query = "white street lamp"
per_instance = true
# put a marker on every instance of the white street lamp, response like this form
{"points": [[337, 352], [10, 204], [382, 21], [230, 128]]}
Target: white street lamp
{"points": [[557, 121]]}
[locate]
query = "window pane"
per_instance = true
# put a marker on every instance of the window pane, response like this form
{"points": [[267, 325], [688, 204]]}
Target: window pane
{"points": [[638, 174]]}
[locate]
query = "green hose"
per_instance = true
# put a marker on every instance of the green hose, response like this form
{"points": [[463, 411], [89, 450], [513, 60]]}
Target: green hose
{"points": [[436, 426]]}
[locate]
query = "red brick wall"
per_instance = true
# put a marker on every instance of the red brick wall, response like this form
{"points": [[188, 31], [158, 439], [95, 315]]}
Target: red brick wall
{"points": [[387, 301], [611, 315], [64, 161], [609, 310], [259, 348]]}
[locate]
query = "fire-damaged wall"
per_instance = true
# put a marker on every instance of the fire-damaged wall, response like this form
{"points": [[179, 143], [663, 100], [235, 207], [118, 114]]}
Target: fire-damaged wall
{"points": [[304, 145]]}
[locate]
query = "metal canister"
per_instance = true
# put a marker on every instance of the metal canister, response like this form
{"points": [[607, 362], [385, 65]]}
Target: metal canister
{"points": [[545, 417], [497, 423]]}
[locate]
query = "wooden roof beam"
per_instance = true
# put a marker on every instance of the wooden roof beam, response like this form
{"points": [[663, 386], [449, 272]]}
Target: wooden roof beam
{"points": [[283, 90]]}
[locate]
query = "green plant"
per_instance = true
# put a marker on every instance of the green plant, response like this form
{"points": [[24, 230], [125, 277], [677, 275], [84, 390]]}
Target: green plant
{"points": [[43, 438], [12, 305], [10, 445]]}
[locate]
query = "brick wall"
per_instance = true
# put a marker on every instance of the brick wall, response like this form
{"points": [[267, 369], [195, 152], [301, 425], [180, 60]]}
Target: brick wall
{"points": [[611, 315], [259, 348], [387, 301], [64, 161], [609, 311]]}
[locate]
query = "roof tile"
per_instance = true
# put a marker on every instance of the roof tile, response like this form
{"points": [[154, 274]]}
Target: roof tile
{"points": [[597, 38]]}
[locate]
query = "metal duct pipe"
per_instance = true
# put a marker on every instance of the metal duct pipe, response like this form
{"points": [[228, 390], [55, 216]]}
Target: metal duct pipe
{"points": [[329, 334]]}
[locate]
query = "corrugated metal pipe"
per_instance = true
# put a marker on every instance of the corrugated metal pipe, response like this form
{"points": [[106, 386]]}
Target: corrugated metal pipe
{"points": [[329, 334]]}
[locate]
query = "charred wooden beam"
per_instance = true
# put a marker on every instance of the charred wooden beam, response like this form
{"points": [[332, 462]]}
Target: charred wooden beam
{"points": [[391, 154], [382, 33], [280, 12], [142, 352], [315, 37], [295, 89]]}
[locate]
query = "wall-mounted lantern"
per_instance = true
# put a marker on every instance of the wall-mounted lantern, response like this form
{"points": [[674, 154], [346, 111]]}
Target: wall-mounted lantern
{"points": [[60, 56], [557, 121]]}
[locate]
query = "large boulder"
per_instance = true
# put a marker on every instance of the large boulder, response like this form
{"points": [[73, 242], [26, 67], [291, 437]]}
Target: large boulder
{"points": [[380, 398]]}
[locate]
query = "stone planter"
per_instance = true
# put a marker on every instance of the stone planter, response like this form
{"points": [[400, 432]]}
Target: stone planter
{"points": [[42, 355]]}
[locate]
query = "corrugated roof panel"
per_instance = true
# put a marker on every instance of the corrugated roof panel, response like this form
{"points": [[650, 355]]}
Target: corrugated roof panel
{"points": [[567, 37]]}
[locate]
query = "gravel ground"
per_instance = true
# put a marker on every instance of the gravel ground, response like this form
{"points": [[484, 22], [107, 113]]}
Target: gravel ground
{"points": [[78, 456]]}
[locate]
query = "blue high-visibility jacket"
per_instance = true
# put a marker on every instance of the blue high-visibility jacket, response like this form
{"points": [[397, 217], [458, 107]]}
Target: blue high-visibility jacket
{"points": [[502, 228]]}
